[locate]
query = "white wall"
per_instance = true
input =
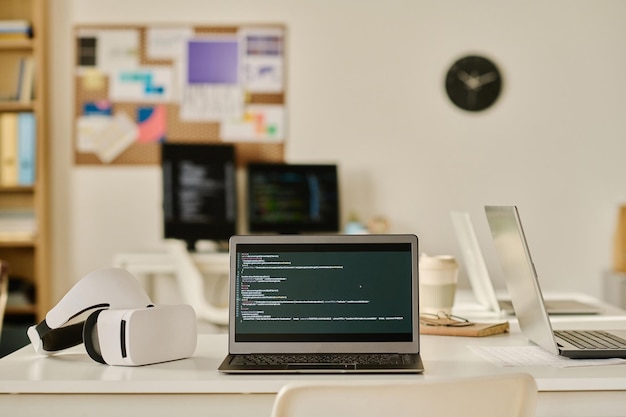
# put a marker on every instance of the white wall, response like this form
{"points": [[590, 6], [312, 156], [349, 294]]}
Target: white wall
{"points": [[366, 90]]}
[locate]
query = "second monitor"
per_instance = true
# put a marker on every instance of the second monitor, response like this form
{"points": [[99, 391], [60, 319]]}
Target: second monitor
{"points": [[199, 192], [292, 198]]}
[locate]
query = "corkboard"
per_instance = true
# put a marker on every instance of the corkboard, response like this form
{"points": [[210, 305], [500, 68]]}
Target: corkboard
{"points": [[177, 128]]}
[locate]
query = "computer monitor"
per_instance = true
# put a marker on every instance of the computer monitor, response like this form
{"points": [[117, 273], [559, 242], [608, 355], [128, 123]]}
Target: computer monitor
{"points": [[292, 198], [199, 192]]}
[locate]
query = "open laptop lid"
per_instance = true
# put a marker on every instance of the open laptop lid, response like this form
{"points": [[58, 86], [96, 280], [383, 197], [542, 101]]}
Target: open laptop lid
{"points": [[520, 275], [312, 293], [474, 261]]}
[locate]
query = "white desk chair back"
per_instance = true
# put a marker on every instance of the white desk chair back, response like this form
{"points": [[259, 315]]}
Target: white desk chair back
{"points": [[191, 284], [4, 290], [511, 395]]}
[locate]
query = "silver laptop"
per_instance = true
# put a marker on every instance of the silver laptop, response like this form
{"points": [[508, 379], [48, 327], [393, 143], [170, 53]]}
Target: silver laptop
{"points": [[523, 284], [323, 304], [480, 280]]}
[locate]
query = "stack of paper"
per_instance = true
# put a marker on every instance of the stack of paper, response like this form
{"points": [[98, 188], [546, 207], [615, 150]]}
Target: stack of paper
{"points": [[17, 225]]}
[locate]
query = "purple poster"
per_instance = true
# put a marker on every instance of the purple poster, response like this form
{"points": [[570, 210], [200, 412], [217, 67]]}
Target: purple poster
{"points": [[212, 62]]}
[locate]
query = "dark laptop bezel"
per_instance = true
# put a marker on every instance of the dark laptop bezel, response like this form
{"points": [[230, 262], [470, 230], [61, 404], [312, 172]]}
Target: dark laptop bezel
{"points": [[411, 347]]}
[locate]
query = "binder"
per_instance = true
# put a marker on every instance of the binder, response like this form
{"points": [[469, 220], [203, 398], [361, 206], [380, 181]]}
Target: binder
{"points": [[26, 148], [8, 149]]}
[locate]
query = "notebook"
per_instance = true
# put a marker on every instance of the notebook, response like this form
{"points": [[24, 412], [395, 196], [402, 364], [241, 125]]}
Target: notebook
{"points": [[482, 285], [523, 284], [323, 304]]}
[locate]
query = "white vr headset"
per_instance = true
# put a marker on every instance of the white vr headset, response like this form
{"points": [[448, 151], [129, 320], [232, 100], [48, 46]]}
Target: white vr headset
{"points": [[122, 327]]}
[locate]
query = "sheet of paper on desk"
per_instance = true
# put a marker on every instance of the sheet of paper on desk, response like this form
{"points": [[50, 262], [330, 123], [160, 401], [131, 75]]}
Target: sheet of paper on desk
{"points": [[535, 356]]}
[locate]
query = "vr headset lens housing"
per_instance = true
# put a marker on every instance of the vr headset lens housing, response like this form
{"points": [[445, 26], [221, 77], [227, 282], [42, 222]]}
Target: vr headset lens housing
{"points": [[141, 336]]}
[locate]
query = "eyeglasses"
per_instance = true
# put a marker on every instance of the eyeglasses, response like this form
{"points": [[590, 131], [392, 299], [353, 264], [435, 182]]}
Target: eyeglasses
{"points": [[443, 319]]}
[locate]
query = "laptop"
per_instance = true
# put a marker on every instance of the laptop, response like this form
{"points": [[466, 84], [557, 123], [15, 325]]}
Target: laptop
{"points": [[523, 284], [482, 285], [323, 304]]}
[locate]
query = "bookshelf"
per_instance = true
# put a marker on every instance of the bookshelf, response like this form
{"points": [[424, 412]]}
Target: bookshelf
{"points": [[24, 206]]}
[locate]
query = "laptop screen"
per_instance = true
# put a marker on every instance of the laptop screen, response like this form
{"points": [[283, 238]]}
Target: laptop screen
{"points": [[322, 291], [520, 275]]}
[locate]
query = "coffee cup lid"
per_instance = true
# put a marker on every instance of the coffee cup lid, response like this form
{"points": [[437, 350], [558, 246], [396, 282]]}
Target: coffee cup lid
{"points": [[437, 262]]}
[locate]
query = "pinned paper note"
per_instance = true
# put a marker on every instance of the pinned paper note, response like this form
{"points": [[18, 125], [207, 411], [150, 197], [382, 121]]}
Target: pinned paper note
{"points": [[151, 124], [259, 123], [92, 79], [207, 102], [209, 81], [166, 43], [108, 49], [141, 84], [262, 59], [100, 107], [212, 61], [88, 128], [115, 137]]}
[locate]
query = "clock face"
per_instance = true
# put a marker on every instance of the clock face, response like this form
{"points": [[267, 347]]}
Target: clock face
{"points": [[473, 83]]}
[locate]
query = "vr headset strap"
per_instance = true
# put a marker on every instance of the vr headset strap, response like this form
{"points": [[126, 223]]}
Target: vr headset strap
{"points": [[62, 338]]}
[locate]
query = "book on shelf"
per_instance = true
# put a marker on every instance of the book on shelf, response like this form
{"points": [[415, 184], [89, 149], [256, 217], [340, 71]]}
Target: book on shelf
{"points": [[26, 148], [15, 29], [11, 36], [8, 149], [18, 144], [25, 80], [24, 88]]}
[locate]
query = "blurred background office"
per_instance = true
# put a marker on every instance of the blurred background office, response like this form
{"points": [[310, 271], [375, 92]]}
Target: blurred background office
{"points": [[365, 89]]}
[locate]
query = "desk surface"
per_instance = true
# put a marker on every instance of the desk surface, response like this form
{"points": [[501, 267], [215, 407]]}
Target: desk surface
{"points": [[84, 387], [444, 357]]}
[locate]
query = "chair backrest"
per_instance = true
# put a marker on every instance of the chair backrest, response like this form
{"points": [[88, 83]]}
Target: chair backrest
{"points": [[512, 395], [191, 284]]}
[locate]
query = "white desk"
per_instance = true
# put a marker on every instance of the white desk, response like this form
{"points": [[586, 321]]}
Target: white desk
{"points": [[72, 384], [465, 305]]}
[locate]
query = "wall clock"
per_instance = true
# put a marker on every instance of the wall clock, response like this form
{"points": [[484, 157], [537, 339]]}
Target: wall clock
{"points": [[473, 83]]}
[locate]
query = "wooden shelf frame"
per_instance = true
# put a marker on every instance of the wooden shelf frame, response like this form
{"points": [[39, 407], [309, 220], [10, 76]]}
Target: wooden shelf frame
{"points": [[29, 258]]}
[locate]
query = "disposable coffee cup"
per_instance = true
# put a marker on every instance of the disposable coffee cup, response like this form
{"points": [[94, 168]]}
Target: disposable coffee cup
{"points": [[438, 277]]}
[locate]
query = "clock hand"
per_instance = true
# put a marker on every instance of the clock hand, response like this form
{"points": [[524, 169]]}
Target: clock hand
{"points": [[471, 98], [474, 82], [465, 77], [487, 78]]}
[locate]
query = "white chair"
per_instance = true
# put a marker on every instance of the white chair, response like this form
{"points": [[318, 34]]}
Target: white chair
{"points": [[512, 395], [191, 285]]}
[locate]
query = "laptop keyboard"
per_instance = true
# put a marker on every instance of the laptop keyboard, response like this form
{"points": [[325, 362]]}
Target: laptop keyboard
{"points": [[322, 358], [591, 339]]}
